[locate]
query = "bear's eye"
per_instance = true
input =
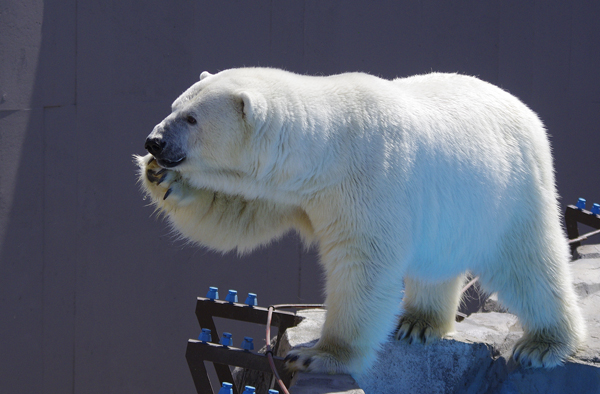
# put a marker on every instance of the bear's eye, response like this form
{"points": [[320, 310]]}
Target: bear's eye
{"points": [[190, 119]]}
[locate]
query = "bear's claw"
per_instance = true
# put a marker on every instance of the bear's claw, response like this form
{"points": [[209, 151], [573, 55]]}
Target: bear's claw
{"points": [[165, 183], [155, 173], [537, 353], [291, 358], [314, 360], [416, 331], [156, 176], [307, 362]]}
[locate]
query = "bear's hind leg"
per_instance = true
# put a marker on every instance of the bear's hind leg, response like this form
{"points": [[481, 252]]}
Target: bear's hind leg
{"points": [[429, 309], [535, 284]]}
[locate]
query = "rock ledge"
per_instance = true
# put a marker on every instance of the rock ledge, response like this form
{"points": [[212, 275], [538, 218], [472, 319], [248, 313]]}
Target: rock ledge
{"points": [[474, 359]]}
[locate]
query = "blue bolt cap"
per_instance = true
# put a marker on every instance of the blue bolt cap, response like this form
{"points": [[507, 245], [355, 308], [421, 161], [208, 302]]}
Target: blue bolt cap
{"points": [[581, 203], [251, 300], [249, 390], [596, 209], [226, 340], [227, 388], [205, 335], [213, 293], [231, 296], [248, 343]]}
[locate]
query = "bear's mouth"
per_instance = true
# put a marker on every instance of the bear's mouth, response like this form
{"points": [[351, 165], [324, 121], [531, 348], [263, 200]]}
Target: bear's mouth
{"points": [[169, 163]]}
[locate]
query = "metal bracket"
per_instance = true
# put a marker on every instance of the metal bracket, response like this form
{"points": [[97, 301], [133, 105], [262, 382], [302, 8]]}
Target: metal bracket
{"points": [[574, 215], [223, 356]]}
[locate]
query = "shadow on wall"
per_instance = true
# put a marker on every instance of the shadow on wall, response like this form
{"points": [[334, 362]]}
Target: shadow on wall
{"points": [[97, 295]]}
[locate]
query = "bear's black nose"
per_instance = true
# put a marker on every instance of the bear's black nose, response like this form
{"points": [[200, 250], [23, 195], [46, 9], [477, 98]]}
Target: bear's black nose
{"points": [[155, 146]]}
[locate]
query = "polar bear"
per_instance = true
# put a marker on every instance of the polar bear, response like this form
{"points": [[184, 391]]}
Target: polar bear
{"points": [[408, 182]]}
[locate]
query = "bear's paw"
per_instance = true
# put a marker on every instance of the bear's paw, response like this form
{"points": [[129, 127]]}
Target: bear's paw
{"points": [[537, 351], [165, 184], [415, 329], [314, 360]]}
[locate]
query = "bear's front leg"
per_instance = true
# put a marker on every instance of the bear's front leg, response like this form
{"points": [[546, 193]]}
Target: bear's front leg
{"points": [[362, 306], [215, 219]]}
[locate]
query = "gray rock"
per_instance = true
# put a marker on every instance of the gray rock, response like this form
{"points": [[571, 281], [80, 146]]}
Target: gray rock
{"points": [[493, 305], [306, 334], [586, 276], [309, 383], [589, 251], [474, 359]]}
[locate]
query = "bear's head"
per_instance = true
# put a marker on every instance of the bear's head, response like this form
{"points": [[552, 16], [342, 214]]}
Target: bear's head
{"points": [[242, 130], [210, 127]]}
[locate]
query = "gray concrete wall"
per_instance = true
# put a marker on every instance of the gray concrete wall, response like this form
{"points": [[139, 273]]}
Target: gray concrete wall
{"points": [[95, 295]]}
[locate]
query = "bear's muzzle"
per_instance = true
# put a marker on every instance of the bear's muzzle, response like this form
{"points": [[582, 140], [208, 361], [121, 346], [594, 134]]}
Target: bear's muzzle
{"points": [[159, 148]]}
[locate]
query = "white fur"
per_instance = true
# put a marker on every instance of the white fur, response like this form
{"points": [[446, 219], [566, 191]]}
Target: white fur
{"points": [[423, 177]]}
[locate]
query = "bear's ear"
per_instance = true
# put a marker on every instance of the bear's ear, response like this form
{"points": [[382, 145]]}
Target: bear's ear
{"points": [[204, 75], [251, 105]]}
